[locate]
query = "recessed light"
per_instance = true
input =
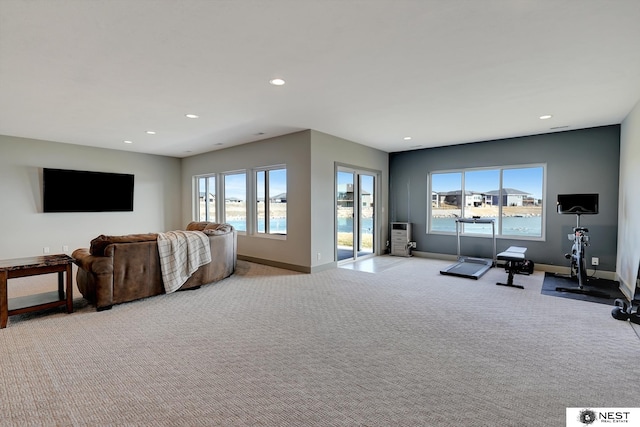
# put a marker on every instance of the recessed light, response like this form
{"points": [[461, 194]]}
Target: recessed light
{"points": [[545, 117], [151, 132], [407, 138], [128, 142], [191, 116], [277, 82], [219, 143]]}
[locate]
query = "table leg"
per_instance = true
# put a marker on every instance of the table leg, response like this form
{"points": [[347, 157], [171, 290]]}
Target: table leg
{"points": [[4, 303], [69, 274], [61, 284]]}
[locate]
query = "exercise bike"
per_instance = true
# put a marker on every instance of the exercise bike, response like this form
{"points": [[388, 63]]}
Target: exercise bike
{"points": [[579, 204]]}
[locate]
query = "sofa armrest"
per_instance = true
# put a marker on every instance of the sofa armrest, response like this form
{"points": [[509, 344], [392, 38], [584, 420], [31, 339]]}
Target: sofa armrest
{"points": [[94, 277], [91, 263]]}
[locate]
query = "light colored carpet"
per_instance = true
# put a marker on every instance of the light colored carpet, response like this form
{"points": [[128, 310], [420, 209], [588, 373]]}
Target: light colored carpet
{"points": [[404, 346]]}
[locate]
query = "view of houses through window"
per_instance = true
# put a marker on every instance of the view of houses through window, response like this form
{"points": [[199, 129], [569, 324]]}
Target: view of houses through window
{"points": [[271, 208], [235, 200], [355, 220], [269, 198], [207, 198], [512, 196]]}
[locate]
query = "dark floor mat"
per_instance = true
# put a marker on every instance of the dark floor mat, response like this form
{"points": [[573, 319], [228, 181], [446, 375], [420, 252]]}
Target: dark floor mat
{"points": [[611, 287]]}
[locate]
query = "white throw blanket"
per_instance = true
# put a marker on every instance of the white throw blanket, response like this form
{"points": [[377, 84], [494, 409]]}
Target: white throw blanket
{"points": [[181, 254]]}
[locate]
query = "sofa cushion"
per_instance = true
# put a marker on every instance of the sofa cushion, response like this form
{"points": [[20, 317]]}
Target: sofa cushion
{"points": [[217, 229], [209, 227], [99, 244], [198, 225]]}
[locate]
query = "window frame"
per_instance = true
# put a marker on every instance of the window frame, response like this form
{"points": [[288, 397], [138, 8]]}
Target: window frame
{"points": [[207, 190], [251, 211], [499, 222], [267, 196], [223, 199]]}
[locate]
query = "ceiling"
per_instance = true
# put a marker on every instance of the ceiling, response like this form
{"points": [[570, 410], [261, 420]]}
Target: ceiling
{"points": [[442, 72]]}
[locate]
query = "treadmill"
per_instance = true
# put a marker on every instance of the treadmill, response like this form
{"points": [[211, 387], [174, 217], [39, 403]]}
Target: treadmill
{"points": [[472, 267]]}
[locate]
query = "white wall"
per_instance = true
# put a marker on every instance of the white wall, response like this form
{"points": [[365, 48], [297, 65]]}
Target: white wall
{"points": [[310, 157], [163, 194], [293, 150], [25, 230], [326, 151], [629, 203]]}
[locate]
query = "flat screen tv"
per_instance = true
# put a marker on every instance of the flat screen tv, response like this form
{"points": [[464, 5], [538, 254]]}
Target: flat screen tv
{"points": [[85, 191], [578, 204]]}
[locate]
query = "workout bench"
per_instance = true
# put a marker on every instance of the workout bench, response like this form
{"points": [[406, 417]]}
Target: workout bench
{"points": [[516, 263]]}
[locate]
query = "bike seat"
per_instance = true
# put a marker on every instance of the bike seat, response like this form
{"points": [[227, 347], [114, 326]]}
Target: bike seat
{"points": [[585, 229]]}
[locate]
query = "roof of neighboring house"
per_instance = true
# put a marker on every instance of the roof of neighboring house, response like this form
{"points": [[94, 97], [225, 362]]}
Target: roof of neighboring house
{"points": [[508, 191], [457, 192], [350, 190]]}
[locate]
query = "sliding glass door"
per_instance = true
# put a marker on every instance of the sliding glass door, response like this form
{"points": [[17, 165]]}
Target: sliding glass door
{"points": [[355, 213]]}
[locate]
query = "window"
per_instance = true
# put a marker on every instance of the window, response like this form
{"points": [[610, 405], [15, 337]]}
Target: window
{"points": [[235, 200], [206, 207], [522, 200], [476, 183], [271, 201], [446, 193], [512, 196], [222, 197]]}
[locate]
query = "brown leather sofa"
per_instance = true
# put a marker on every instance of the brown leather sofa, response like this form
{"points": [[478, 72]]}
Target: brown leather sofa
{"points": [[117, 269]]}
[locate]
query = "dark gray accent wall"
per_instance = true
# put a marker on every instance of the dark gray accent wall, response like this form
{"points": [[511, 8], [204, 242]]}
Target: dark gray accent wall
{"points": [[580, 161]]}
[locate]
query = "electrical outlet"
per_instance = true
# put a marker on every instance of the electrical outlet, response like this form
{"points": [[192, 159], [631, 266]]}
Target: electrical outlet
{"points": [[45, 250], [413, 244], [65, 248], [595, 260], [319, 256]]}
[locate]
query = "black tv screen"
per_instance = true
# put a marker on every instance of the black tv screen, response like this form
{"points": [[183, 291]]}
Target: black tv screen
{"points": [[85, 191], [578, 204]]}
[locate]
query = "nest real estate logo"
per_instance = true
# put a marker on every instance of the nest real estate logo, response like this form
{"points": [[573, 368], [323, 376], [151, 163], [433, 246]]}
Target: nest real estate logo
{"points": [[581, 417]]}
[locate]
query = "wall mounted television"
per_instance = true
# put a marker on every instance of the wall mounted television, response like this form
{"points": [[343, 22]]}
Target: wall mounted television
{"points": [[85, 191], [578, 204]]}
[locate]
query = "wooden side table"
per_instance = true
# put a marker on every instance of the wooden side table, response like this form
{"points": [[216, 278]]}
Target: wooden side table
{"points": [[22, 267]]}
